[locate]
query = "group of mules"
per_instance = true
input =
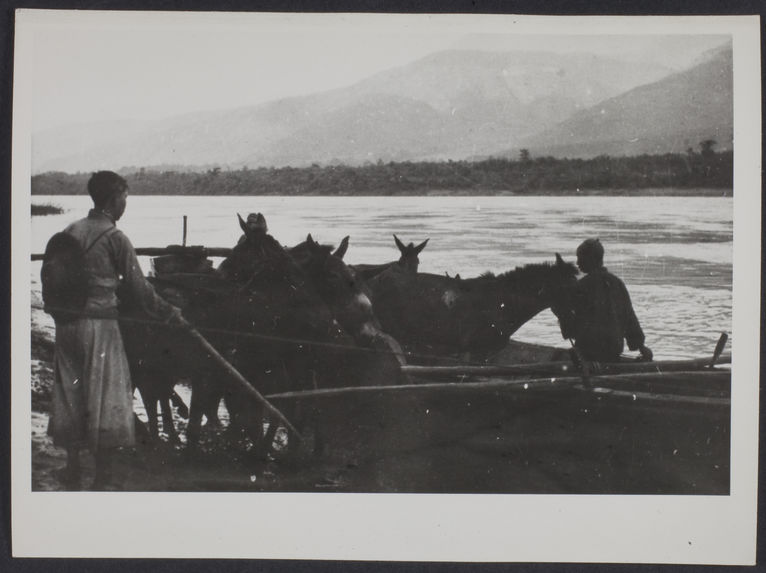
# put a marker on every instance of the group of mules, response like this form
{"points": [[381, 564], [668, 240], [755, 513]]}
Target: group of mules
{"points": [[301, 319]]}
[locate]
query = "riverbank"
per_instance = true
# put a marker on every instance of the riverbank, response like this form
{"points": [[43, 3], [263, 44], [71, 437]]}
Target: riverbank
{"points": [[222, 463], [538, 176], [45, 209]]}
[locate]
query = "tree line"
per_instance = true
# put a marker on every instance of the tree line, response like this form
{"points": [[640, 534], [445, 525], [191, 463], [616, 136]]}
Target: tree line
{"points": [[685, 172]]}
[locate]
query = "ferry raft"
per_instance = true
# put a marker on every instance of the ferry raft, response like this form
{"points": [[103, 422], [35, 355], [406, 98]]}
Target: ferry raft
{"points": [[633, 427]]}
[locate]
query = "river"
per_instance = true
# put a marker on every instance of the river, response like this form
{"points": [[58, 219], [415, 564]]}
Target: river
{"points": [[674, 253]]}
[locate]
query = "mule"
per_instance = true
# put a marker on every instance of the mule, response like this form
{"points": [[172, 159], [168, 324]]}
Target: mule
{"points": [[348, 297], [435, 317], [360, 353], [408, 261], [284, 325]]}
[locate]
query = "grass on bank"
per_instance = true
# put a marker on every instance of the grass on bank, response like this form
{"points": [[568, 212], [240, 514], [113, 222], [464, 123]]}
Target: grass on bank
{"points": [[46, 209]]}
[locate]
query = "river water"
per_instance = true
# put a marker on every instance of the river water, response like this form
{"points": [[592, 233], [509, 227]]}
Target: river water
{"points": [[674, 253]]}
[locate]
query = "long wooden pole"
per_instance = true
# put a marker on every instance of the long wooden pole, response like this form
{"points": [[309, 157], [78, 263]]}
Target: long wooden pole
{"points": [[171, 250], [242, 381], [564, 368], [713, 378]]}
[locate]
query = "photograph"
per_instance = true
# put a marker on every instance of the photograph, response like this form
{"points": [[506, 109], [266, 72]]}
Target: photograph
{"points": [[458, 280]]}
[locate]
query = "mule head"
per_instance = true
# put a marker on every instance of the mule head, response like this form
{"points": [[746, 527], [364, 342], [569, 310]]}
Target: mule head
{"points": [[560, 295], [338, 286], [409, 254], [558, 292], [335, 281], [563, 275], [309, 252]]}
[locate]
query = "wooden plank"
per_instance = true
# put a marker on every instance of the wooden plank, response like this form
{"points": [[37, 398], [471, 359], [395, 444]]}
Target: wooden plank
{"points": [[494, 384], [180, 250], [667, 398], [490, 370], [194, 250], [565, 368]]}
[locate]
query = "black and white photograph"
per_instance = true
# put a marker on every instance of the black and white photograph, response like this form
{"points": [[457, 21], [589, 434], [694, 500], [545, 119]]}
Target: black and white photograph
{"points": [[385, 286]]}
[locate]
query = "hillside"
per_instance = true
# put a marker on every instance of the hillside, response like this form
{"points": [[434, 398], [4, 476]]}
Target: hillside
{"points": [[449, 105], [672, 114]]}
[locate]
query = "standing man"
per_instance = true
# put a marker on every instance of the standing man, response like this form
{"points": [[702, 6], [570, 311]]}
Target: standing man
{"points": [[601, 316], [92, 389]]}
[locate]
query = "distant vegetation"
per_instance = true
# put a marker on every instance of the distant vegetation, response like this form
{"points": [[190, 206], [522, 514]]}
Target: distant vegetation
{"points": [[680, 173], [46, 209]]}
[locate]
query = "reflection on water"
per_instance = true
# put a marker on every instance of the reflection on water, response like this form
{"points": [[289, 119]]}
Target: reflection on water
{"points": [[674, 253]]}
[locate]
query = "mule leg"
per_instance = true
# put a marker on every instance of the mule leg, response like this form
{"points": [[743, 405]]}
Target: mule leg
{"points": [[268, 438], [252, 420], [183, 409], [196, 408], [211, 409], [150, 405], [167, 419]]}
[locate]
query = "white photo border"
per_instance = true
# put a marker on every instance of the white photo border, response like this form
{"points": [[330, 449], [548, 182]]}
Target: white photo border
{"points": [[409, 527]]}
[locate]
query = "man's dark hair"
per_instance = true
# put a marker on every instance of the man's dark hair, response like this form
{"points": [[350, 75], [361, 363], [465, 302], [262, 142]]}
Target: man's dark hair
{"points": [[103, 184], [591, 252]]}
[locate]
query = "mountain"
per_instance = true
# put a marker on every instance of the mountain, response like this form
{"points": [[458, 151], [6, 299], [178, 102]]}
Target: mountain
{"points": [[669, 115], [449, 105]]}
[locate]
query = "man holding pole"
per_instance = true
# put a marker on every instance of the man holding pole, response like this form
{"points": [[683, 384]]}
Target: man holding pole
{"points": [[92, 390]]}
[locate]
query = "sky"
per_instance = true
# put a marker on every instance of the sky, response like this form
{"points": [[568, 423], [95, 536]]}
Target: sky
{"points": [[90, 66]]}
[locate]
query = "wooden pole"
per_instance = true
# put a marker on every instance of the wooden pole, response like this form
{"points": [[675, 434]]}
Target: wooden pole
{"points": [[184, 237], [563, 368], [242, 381], [181, 250], [719, 348], [196, 250], [708, 385]]}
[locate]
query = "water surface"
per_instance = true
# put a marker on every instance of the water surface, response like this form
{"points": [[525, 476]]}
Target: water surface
{"points": [[674, 253]]}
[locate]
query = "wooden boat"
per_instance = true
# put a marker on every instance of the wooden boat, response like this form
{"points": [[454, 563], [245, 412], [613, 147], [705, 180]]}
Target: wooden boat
{"points": [[652, 427]]}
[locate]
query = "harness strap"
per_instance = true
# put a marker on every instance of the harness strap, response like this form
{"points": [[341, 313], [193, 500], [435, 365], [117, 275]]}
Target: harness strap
{"points": [[96, 240]]}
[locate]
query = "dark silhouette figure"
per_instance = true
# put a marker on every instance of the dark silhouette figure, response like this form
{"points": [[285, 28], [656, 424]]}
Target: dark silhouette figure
{"points": [[599, 315]]}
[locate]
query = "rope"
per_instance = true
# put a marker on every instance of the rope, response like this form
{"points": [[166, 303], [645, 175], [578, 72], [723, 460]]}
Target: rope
{"points": [[270, 337]]}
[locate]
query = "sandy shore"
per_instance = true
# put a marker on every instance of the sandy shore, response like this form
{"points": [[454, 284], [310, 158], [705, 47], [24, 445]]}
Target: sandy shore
{"points": [[221, 464]]}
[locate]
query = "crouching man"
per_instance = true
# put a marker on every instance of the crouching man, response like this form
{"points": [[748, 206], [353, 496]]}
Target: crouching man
{"points": [[600, 317]]}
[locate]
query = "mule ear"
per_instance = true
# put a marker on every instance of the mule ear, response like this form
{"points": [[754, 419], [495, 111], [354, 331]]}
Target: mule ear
{"points": [[559, 260], [312, 245], [399, 244], [421, 246], [342, 248], [242, 223]]}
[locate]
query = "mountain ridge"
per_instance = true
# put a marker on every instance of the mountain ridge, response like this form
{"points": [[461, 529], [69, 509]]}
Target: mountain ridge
{"points": [[672, 114], [447, 105]]}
